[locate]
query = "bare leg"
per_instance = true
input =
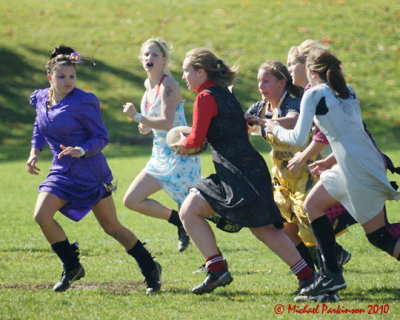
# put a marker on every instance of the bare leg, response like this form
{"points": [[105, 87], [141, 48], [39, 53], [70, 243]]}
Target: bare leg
{"points": [[106, 215], [136, 197], [278, 242], [317, 201], [47, 205], [192, 213], [291, 230]]}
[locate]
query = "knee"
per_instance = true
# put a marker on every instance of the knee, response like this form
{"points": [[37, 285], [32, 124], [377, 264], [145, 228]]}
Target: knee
{"points": [[306, 206], [112, 229], [312, 209], [41, 217], [189, 208], [130, 202], [383, 240]]}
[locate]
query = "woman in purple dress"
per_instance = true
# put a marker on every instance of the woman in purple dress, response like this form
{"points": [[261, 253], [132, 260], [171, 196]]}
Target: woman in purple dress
{"points": [[69, 120]]}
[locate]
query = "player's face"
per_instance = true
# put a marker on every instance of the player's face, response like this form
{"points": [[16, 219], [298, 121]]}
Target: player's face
{"points": [[152, 58], [194, 78], [63, 79], [297, 71], [270, 87]]}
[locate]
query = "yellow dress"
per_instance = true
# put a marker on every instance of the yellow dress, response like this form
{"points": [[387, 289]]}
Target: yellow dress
{"points": [[290, 190]]}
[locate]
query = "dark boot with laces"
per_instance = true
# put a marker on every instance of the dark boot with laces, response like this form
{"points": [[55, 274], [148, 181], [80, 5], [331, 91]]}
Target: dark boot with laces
{"points": [[342, 256], [69, 276], [212, 281], [325, 283], [153, 280], [306, 283], [183, 239]]}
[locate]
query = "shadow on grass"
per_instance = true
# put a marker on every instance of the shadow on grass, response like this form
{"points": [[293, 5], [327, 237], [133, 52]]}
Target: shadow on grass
{"points": [[25, 250], [381, 295], [17, 117], [112, 287]]}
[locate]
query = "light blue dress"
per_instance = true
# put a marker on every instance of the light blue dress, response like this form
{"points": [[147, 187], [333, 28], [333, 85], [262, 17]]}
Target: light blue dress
{"points": [[176, 174]]}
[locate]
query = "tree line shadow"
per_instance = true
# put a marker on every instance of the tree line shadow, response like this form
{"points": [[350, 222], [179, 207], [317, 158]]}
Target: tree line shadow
{"points": [[17, 116]]}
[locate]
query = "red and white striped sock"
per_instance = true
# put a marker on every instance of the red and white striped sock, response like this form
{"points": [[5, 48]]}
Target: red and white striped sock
{"points": [[215, 263], [302, 270]]}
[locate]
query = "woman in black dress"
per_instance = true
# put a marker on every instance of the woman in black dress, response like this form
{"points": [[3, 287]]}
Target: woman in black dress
{"points": [[240, 190]]}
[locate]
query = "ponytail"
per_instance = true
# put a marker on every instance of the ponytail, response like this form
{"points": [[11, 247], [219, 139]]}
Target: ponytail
{"points": [[328, 67], [217, 70]]}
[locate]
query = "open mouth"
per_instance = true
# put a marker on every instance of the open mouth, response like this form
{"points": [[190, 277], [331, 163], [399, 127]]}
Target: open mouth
{"points": [[149, 64]]}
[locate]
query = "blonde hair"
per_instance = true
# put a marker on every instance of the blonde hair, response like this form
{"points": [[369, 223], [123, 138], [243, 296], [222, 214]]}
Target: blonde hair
{"points": [[300, 53], [217, 70], [295, 53], [162, 45], [307, 45]]}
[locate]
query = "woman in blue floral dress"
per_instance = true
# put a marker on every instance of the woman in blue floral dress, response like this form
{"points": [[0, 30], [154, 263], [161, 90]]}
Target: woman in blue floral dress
{"points": [[161, 109]]}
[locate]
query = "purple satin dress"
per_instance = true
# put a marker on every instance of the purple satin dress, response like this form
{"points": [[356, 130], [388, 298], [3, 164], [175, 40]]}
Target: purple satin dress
{"points": [[73, 121]]}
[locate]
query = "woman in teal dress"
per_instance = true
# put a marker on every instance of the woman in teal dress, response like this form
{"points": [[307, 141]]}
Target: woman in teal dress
{"points": [[162, 108]]}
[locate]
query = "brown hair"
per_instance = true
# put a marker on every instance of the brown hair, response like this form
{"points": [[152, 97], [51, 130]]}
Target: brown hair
{"points": [[60, 56], [328, 67], [279, 71], [217, 70]]}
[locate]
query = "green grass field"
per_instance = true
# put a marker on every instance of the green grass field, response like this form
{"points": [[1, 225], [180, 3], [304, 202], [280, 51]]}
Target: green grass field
{"points": [[364, 34]]}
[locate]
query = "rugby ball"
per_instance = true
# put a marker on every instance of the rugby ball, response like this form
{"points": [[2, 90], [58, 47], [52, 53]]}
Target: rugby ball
{"points": [[174, 135]]}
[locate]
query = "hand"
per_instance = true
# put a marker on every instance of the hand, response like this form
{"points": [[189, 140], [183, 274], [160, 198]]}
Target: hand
{"points": [[129, 109], [296, 162], [270, 125], [74, 152], [143, 129], [31, 164], [252, 119], [318, 167], [178, 146]]}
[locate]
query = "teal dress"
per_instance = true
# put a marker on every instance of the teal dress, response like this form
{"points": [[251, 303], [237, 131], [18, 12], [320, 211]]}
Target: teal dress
{"points": [[175, 174]]}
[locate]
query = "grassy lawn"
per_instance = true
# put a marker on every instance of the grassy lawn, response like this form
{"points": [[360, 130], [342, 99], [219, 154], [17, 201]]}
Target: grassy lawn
{"points": [[364, 34], [113, 287]]}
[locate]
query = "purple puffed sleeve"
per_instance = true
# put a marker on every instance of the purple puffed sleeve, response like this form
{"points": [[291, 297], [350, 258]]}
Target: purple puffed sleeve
{"points": [[90, 118], [38, 140]]}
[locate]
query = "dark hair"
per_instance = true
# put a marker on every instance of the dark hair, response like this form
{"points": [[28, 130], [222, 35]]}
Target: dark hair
{"points": [[217, 70], [279, 71], [60, 54], [328, 67], [61, 50]]}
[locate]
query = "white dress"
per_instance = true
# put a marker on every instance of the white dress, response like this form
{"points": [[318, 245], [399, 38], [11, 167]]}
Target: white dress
{"points": [[359, 179], [175, 173]]}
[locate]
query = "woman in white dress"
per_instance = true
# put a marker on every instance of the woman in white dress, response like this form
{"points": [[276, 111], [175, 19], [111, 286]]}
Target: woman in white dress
{"points": [[161, 109], [358, 180]]}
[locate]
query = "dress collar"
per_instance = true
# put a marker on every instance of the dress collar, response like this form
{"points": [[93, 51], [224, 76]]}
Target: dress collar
{"points": [[205, 85]]}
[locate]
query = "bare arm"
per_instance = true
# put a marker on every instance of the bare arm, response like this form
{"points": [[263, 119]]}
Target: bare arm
{"points": [[300, 158], [298, 136], [32, 160], [289, 121], [170, 98], [322, 165]]}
